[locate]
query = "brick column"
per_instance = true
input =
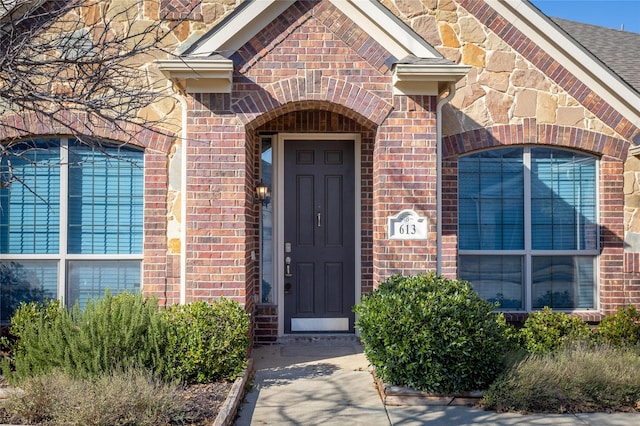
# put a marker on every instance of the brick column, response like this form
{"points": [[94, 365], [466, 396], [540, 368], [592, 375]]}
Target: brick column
{"points": [[404, 163], [216, 201]]}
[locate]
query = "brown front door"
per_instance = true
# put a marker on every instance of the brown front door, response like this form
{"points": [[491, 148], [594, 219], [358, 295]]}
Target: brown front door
{"points": [[319, 231]]}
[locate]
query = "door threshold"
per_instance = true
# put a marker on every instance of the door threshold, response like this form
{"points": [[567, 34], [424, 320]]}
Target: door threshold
{"points": [[319, 339]]}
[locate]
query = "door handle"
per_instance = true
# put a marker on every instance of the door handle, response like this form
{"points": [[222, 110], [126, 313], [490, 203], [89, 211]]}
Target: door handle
{"points": [[287, 267], [319, 220]]}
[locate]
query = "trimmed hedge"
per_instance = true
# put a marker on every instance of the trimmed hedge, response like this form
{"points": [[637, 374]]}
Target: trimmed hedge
{"points": [[432, 334], [207, 342]]}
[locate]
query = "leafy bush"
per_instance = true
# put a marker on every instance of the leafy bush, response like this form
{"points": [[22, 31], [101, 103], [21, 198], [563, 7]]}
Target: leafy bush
{"points": [[117, 331], [546, 331], [128, 397], [432, 334], [621, 328], [207, 342], [576, 378], [25, 316]]}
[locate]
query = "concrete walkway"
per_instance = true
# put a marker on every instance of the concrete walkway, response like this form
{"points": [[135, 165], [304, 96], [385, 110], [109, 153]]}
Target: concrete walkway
{"points": [[329, 383]]}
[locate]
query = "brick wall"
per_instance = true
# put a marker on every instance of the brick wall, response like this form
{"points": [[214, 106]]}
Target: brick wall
{"points": [[311, 70], [404, 173], [218, 204]]}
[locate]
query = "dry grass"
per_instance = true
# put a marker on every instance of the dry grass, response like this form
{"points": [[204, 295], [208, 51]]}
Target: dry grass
{"points": [[132, 397], [580, 378]]}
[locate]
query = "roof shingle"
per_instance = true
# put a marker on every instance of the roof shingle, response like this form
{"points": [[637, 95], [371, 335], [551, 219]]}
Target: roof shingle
{"points": [[618, 50]]}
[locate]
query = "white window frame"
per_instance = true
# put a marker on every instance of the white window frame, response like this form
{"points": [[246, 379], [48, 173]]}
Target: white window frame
{"points": [[528, 253], [63, 257]]}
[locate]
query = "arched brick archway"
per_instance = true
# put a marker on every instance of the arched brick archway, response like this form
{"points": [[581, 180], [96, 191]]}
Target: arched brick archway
{"points": [[529, 132], [292, 94], [318, 117]]}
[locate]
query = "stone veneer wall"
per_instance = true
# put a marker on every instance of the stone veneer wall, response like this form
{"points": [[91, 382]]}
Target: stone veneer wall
{"points": [[516, 93]]}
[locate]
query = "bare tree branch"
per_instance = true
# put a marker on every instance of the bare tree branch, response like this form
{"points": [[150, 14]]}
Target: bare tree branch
{"points": [[78, 65]]}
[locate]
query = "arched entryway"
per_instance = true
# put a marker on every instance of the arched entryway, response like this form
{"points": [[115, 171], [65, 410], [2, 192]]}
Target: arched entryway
{"points": [[315, 235]]}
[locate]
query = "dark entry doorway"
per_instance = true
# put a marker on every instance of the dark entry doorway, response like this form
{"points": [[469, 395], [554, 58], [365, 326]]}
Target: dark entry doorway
{"points": [[319, 235]]}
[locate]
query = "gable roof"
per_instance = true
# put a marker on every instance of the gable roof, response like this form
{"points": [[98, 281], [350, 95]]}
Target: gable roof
{"points": [[205, 67], [228, 36], [618, 50], [418, 67]]}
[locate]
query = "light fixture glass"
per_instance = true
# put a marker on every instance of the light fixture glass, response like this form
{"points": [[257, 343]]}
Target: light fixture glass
{"points": [[262, 193]]}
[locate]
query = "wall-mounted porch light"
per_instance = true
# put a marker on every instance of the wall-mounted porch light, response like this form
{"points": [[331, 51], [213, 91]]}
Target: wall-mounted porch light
{"points": [[262, 194]]}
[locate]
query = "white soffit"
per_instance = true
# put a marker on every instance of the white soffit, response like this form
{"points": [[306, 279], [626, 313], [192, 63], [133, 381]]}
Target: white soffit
{"points": [[200, 75], [426, 79], [572, 56]]}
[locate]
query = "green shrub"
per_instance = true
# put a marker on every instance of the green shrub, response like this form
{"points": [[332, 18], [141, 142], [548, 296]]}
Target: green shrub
{"points": [[114, 332], [431, 333], [127, 397], [621, 328], [546, 331], [207, 342], [24, 316], [577, 378]]}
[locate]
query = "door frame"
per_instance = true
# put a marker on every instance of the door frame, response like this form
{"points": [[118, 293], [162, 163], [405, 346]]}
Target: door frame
{"points": [[278, 210]]}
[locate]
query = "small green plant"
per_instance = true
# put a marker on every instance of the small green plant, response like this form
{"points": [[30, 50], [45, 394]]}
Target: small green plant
{"points": [[207, 341], [546, 331], [24, 317], [114, 332], [621, 328], [121, 397], [431, 333], [577, 378]]}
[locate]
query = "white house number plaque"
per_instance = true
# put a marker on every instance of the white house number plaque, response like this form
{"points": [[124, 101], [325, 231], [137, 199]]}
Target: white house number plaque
{"points": [[407, 225]]}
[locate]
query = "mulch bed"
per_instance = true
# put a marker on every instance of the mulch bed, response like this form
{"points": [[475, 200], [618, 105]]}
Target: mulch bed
{"points": [[202, 402]]}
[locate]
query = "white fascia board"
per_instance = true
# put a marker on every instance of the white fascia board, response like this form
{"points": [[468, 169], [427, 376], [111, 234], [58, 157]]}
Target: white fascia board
{"points": [[200, 74], [425, 79], [238, 30], [386, 28], [572, 56]]}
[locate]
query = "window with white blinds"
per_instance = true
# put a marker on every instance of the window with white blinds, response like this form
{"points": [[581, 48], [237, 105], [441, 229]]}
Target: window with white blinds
{"points": [[70, 221], [528, 234]]}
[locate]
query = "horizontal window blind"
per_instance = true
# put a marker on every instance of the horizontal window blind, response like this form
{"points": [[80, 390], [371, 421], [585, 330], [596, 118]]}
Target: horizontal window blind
{"points": [[30, 205], [105, 201], [99, 213], [506, 249]]}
